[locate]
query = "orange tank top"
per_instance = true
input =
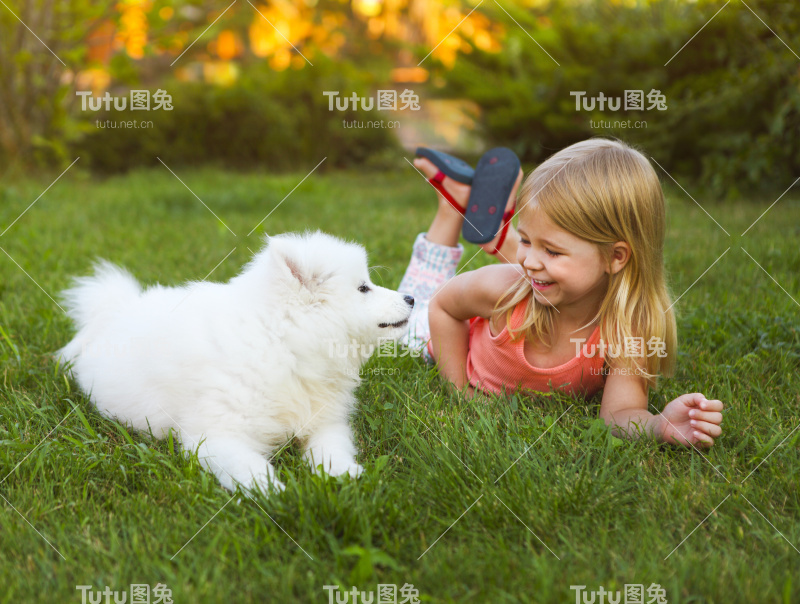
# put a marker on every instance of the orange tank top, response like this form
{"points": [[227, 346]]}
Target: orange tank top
{"points": [[495, 363]]}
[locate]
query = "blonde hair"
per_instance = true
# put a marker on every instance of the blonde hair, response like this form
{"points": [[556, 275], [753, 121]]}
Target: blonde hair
{"points": [[604, 191]]}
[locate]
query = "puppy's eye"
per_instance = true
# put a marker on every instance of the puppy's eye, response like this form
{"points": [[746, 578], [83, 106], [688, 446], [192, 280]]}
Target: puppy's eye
{"points": [[363, 288]]}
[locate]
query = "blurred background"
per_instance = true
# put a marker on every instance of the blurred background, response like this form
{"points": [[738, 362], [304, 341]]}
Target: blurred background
{"points": [[246, 82]]}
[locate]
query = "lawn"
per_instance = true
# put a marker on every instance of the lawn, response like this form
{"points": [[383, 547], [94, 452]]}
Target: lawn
{"points": [[517, 500]]}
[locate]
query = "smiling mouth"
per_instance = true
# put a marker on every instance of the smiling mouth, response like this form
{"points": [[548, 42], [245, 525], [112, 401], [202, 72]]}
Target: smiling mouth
{"points": [[541, 286], [398, 324]]}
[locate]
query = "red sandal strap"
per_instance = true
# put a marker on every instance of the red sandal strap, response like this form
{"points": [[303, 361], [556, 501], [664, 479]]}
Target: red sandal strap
{"points": [[436, 181], [507, 216]]}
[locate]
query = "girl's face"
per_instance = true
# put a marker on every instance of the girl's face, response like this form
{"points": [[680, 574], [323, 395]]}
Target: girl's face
{"points": [[565, 271]]}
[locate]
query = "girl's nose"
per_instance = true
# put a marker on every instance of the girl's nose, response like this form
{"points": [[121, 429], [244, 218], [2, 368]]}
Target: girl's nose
{"points": [[532, 262]]}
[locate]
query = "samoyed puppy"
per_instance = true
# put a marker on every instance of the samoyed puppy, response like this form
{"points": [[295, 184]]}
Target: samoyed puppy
{"points": [[236, 369]]}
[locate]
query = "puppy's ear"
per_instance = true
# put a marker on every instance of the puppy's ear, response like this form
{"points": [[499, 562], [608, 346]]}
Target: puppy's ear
{"points": [[294, 269], [290, 264]]}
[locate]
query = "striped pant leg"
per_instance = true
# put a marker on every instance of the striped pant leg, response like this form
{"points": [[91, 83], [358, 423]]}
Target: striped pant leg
{"points": [[431, 265]]}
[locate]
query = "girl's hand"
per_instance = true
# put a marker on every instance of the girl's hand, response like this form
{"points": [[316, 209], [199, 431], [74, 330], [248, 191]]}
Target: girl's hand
{"points": [[692, 419]]}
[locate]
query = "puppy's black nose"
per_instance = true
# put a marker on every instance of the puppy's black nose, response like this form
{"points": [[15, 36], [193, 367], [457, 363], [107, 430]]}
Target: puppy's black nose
{"points": [[409, 300]]}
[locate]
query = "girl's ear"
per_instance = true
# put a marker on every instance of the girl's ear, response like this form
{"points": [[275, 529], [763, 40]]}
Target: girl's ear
{"points": [[620, 255]]}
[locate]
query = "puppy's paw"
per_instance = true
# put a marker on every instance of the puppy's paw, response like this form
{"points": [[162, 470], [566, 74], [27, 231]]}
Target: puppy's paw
{"points": [[355, 470], [342, 467], [263, 484], [272, 485]]}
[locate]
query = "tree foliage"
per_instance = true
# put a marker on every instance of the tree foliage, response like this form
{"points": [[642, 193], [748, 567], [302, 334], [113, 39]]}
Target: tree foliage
{"points": [[732, 93], [39, 41]]}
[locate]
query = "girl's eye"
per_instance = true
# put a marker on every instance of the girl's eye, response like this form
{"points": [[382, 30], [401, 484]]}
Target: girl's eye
{"points": [[363, 288], [524, 241], [551, 253]]}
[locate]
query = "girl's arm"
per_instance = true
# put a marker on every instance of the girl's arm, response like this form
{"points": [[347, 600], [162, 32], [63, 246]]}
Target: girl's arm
{"points": [[688, 420], [470, 294], [624, 404]]}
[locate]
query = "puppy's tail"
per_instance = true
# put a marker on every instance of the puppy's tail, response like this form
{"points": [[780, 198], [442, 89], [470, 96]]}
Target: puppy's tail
{"points": [[92, 298]]}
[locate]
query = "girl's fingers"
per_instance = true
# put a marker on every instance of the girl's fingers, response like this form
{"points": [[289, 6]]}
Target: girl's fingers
{"points": [[704, 439], [695, 399], [707, 428], [699, 401], [713, 405], [714, 417]]}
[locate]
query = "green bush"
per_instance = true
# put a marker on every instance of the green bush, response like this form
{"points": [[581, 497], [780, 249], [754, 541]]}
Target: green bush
{"points": [[277, 120], [732, 94]]}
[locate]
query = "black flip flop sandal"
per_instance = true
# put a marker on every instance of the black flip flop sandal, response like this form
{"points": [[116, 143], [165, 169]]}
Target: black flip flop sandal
{"points": [[494, 178], [450, 166]]}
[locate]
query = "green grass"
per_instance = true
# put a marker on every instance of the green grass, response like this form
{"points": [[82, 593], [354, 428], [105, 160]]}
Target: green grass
{"points": [[579, 507]]}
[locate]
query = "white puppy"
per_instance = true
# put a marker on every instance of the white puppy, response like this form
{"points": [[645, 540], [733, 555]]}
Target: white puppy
{"points": [[236, 369]]}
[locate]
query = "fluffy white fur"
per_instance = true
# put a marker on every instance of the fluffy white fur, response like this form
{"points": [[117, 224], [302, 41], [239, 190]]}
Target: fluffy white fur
{"points": [[237, 368]]}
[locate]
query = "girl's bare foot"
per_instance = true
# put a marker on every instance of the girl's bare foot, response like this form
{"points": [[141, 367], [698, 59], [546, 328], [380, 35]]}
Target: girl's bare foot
{"points": [[446, 226], [458, 190]]}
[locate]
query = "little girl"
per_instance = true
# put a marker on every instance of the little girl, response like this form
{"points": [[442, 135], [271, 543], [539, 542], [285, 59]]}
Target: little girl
{"points": [[580, 303]]}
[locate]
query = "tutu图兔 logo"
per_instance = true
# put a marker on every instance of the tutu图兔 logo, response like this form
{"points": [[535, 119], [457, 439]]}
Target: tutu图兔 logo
{"points": [[633, 101], [386, 101], [387, 593], [139, 101], [634, 593], [140, 594]]}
